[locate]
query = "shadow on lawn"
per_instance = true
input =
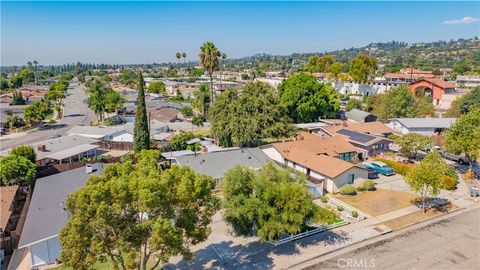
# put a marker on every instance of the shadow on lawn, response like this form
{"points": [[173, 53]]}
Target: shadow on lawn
{"points": [[255, 255]]}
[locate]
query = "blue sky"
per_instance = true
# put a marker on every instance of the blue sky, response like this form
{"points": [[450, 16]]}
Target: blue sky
{"points": [[147, 32]]}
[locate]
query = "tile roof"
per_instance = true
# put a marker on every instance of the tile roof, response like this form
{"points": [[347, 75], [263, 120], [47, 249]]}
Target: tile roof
{"points": [[437, 81], [7, 195], [332, 146]]}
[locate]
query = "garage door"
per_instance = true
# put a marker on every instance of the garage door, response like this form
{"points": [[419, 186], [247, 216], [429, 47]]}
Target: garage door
{"points": [[329, 186]]}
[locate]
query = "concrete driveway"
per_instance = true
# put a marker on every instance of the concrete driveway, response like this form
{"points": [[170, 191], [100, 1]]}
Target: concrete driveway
{"points": [[393, 182]]}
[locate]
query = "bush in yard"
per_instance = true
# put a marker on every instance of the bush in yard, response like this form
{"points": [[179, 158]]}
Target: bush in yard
{"points": [[369, 185], [469, 175], [360, 188], [340, 208], [399, 168], [449, 183], [354, 214], [324, 199], [348, 190]]}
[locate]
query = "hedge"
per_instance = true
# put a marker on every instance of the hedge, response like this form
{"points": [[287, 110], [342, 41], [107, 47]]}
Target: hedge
{"points": [[348, 190], [449, 183], [369, 185], [399, 168]]}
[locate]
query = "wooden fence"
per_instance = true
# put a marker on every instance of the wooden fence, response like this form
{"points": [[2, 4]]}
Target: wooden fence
{"points": [[122, 146], [51, 169]]}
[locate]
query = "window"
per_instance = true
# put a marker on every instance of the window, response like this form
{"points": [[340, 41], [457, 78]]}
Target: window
{"points": [[350, 178], [380, 146], [217, 182]]}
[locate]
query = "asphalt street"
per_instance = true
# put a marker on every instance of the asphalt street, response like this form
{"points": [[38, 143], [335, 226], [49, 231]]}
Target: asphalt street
{"points": [[452, 243], [75, 113]]}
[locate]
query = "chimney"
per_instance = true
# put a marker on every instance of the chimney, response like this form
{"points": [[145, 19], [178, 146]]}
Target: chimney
{"points": [[204, 149], [42, 147], [344, 123], [88, 168]]}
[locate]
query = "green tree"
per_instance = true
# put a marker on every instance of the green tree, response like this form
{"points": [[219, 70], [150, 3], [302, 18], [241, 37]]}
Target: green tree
{"points": [[306, 99], [397, 102], [4, 84], [141, 140], [184, 56], [179, 56], [243, 119], [187, 111], [463, 104], [426, 178], [16, 81], [97, 99], [335, 69], [17, 98], [157, 88], [114, 101], [424, 107], [411, 143], [198, 120], [319, 63], [56, 94], [210, 61], [362, 68], [202, 98], [36, 112], [27, 76], [353, 103], [25, 151], [14, 121], [269, 203], [17, 170], [179, 141], [464, 135], [137, 215]]}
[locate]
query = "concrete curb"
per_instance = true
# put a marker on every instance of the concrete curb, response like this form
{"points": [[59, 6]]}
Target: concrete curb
{"points": [[369, 240]]}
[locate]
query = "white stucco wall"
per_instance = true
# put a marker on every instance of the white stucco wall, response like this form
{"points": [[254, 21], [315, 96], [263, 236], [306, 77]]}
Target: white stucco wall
{"points": [[273, 154], [45, 252]]}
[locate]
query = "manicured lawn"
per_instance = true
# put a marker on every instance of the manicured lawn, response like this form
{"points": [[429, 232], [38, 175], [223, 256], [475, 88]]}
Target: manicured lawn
{"points": [[417, 216], [379, 202]]}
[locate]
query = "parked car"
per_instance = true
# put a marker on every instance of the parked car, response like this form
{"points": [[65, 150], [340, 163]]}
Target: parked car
{"points": [[461, 159], [378, 167]]}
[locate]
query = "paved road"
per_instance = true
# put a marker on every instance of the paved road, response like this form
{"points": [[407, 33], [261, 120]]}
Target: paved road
{"points": [[76, 112], [452, 243]]}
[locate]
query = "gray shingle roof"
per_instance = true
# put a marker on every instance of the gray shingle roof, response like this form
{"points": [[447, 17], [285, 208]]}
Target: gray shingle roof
{"points": [[46, 214], [357, 115], [215, 164], [426, 122]]}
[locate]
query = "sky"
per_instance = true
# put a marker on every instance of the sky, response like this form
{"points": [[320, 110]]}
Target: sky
{"points": [[152, 32]]}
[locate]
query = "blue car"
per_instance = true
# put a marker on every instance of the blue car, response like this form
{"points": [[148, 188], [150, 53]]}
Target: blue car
{"points": [[379, 167]]}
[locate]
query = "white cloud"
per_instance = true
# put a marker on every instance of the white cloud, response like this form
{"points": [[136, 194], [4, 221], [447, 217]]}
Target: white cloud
{"points": [[463, 20]]}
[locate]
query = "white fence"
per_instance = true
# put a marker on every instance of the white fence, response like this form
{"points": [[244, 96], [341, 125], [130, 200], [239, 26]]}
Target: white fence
{"points": [[308, 233], [361, 216]]}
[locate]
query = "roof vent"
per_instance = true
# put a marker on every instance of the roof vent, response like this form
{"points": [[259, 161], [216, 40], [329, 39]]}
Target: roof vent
{"points": [[88, 168], [42, 147]]}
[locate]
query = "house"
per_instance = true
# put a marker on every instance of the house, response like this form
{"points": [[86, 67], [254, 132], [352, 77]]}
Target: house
{"points": [[424, 126], [64, 149], [360, 116], [407, 75], [467, 81], [47, 213], [166, 115], [433, 87], [12, 199], [216, 164], [369, 138], [322, 160]]}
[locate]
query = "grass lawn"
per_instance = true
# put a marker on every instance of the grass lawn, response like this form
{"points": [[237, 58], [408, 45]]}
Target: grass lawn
{"points": [[379, 202], [418, 216], [97, 266]]}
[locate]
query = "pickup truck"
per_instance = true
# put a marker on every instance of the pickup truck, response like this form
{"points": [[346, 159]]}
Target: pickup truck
{"points": [[461, 159]]}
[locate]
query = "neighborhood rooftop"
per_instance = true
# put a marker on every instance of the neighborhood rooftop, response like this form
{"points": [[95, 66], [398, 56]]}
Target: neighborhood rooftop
{"points": [[47, 213], [426, 122]]}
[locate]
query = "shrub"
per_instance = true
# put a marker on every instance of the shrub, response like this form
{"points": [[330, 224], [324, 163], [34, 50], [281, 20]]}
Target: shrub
{"points": [[25, 151], [354, 214], [361, 188], [369, 185], [348, 190], [399, 168], [469, 175], [324, 199], [340, 208], [449, 183]]}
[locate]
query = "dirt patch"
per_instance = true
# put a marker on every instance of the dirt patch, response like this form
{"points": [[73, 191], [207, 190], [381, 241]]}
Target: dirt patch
{"points": [[380, 201], [418, 216]]}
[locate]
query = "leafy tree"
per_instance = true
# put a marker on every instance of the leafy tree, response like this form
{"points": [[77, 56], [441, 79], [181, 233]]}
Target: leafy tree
{"points": [[96, 99], [242, 119], [335, 69], [14, 121], [3, 84], [17, 170], [187, 111], [36, 112], [198, 120], [27, 76], [141, 140], [464, 135], [306, 99], [463, 104], [129, 78], [179, 141], [16, 81], [411, 143], [426, 178], [157, 88], [424, 107], [114, 101], [17, 98], [56, 94], [25, 151], [210, 61], [397, 102], [202, 98], [269, 203], [137, 214], [363, 68], [353, 103], [319, 63]]}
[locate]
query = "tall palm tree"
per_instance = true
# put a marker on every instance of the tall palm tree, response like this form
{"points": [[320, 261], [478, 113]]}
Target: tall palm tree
{"points": [[35, 62], [210, 60], [29, 64], [224, 56], [179, 55], [184, 55]]}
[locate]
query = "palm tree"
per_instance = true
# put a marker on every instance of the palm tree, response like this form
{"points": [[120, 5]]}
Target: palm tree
{"points": [[29, 64], [179, 55], [210, 60], [202, 98], [184, 55], [35, 62], [224, 56]]}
